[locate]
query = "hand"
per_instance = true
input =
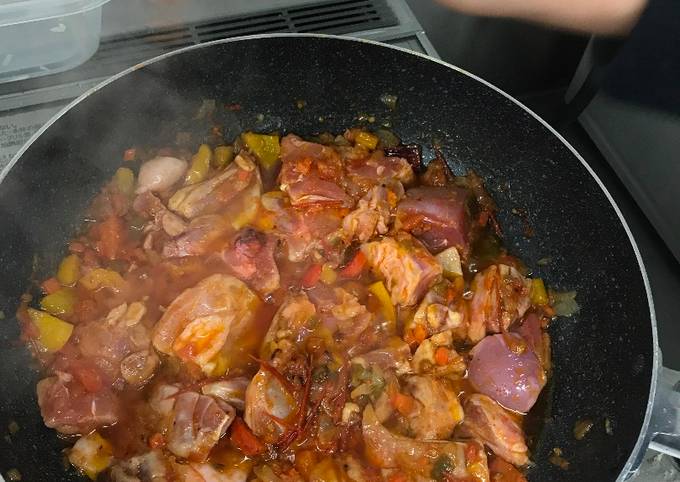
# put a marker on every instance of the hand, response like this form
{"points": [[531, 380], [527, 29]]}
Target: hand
{"points": [[600, 17]]}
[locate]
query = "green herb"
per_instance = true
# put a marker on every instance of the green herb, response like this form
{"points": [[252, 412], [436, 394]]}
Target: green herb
{"points": [[442, 466]]}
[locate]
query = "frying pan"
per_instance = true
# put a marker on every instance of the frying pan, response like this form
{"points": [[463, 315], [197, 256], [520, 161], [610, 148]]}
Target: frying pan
{"points": [[605, 357]]}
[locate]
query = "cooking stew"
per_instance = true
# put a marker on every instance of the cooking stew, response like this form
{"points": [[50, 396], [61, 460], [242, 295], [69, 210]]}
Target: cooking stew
{"points": [[284, 309]]}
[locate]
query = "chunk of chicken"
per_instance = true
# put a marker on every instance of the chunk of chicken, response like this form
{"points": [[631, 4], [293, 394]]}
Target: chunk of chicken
{"points": [[202, 235], [232, 391], [269, 405], [378, 169], [290, 326], [408, 268], [373, 213], [150, 206], [501, 296], [419, 458], [437, 216], [197, 424], [251, 259], [67, 406], [310, 173], [435, 315], [241, 178], [437, 410], [489, 423], [206, 320]]}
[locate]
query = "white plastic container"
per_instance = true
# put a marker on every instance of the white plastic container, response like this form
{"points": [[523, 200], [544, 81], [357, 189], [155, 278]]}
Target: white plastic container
{"points": [[40, 37]]}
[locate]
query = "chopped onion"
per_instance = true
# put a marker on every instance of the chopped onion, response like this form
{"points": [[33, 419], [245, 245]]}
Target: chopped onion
{"points": [[449, 259]]}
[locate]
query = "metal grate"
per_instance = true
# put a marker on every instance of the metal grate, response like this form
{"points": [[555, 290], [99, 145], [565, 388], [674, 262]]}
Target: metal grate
{"points": [[120, 52]]}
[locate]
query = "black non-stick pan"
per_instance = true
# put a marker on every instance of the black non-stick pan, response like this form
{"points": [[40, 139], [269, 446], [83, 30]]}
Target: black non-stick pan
{"points": [[605, 357]]}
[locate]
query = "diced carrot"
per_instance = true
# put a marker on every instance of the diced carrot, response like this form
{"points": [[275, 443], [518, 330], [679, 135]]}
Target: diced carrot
{"points": [[110, 237], [88, 377], [354, 267], [402, 403], [130, 154], [50, 285], [243, 438], [441, 356], [419, 333], [312, 275], [156, 441]]}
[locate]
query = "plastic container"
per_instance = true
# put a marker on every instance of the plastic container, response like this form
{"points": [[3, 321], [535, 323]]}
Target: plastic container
{"points": [[40, 37]]}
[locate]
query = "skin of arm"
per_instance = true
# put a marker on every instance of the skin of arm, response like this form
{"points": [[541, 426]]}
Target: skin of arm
{"points": [[599, 17]]}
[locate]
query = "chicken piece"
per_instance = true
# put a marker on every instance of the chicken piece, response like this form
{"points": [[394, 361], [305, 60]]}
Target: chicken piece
{"points": [[437, 216], [530, 328], [373, 213], [232, 391], [163, 397], [378, 169], [206, 320], [422, 459], [251, 259], [240, 179], [437, 410], [408, 268], [139, 367], [304, 230], [150, 206], [68, 407], [291, 325], [310, 173], [501, 296], [506, 369], [203, 235], [489, 423], [435, 315], [197, 424], [270, 404]]}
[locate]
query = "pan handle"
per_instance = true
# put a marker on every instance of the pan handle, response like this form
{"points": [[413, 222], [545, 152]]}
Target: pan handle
{"points": [[664, 426]]}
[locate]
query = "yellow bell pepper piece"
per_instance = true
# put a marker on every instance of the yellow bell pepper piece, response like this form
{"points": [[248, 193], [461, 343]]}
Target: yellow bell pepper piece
{"points": [[328, 274], [222, 155], [53, 332], [366, 139], [102, 278], [386, 307], [200, 164], [69, 270], [538, 294], [265, 147], [61, 302], [92, 454], [125, 181]]}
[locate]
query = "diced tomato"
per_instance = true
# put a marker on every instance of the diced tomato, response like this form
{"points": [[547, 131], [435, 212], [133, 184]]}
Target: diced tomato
{"points": [[88, 377], [130, 154], [244, 439], [50, 285], [502, 471], [354, 267], [111, 233], [403, 404], [419, 333], [312, 275]]}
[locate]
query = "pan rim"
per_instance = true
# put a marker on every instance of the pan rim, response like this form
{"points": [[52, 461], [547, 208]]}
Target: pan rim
{"points": [[643, 436]]}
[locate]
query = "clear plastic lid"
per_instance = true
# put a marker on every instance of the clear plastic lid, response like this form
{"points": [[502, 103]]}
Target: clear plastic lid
{"points": [[13, 12]]}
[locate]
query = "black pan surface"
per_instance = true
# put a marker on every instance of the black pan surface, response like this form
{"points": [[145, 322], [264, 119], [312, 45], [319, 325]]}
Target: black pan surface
{"points": [[603, 357]]}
